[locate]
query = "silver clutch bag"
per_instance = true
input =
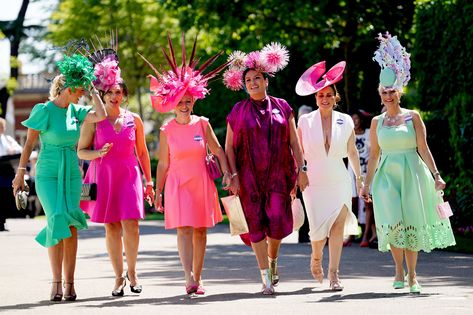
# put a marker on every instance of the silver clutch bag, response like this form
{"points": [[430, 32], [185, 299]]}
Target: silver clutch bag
{"points": [[21, 197]]}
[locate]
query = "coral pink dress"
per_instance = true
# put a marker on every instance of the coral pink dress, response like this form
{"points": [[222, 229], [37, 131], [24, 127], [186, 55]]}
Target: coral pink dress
{"points": [[117, 174], [190, 195]]}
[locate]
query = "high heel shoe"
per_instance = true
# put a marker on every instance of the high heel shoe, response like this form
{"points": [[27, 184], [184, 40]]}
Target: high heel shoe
{"points": [[192, 288], [55, 295], [415, 287], [119, 291], [268, 288], [134, 288], [273, 267], [400, 284], [317, 269], [335, 284], [71, 296]]}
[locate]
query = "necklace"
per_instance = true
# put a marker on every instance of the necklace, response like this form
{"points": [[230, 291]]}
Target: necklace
{"points": [[391, 120]]}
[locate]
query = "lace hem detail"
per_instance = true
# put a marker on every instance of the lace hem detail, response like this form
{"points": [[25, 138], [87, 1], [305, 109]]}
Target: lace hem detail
{"points": [[426, 237]]}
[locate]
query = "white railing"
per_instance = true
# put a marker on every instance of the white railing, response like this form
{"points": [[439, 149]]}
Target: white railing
{"points": [[32, 82]]}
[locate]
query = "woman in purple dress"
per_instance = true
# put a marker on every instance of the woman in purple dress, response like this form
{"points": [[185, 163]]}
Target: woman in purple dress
{"points": [[264, 154]]}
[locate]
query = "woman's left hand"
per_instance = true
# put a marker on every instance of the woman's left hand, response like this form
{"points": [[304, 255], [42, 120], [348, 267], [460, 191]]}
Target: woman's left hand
{"points": [[439, 183], [226, 181], [149, 194], [302, 180]]}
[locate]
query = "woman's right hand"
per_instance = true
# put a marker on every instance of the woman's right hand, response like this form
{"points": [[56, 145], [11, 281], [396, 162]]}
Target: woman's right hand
{"points": [[18, 182], [158, 203], [365, 193], [235, 185], [105, 149]]}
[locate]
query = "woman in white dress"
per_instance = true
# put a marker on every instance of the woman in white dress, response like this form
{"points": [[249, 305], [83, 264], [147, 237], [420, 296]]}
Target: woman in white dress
{"points": [[327, 137]]}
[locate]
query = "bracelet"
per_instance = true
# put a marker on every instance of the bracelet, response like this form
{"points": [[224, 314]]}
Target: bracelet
{"points": [[436, 173], [150, 183], [22, 168], [234, 175]]}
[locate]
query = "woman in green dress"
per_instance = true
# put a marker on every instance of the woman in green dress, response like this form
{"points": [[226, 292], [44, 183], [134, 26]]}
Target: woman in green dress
{"points": [[58, 180], [404, 191]]}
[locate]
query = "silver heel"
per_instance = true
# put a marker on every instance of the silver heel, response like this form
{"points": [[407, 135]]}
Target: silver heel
{"points": [[267, 288]]}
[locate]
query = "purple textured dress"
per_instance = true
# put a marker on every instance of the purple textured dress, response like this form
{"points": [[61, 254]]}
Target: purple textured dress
{"points": [[265, 165]]}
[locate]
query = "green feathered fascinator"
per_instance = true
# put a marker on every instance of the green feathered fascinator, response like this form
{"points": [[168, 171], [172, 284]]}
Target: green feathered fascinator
{"points": [[77, 70]]}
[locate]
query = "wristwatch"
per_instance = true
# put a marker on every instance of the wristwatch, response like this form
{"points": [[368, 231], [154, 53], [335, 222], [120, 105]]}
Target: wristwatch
{"points": [[303, 168]]}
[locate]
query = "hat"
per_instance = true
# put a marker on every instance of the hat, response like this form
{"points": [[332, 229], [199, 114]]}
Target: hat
{"points": [[78, 71], [307, 83], [271, 59], [394, 62], [169, 87]]}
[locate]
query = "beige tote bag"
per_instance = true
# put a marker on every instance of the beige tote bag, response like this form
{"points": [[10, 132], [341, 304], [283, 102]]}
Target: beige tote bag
{"points": [[235, 215]]}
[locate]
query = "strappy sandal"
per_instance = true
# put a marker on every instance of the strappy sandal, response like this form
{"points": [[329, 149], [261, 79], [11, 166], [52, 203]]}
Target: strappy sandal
{"points": [[70, 296], [317, 269], [55, 295], [335, 284], [268, 288], [119, 291]]}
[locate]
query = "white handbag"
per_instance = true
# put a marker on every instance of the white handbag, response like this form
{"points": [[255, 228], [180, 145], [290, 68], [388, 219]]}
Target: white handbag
{"points": [[298, 215], [235, 215]]}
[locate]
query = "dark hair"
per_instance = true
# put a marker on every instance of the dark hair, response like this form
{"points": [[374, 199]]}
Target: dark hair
{"points": [[337, 95], [122, 86], [265, 75]]}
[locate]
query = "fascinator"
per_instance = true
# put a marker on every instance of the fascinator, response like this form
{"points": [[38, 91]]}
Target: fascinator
{"points": [[78, 71], [105, 60], [169, 87], [309, 82], [271, 59], [394, 62]]}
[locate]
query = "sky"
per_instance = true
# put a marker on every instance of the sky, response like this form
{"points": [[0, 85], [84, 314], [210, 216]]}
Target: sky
{"points": [[37, 11]]}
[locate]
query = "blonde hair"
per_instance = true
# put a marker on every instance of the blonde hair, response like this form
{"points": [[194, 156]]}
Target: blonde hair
{"points": [[382, 88], [56, 87]]}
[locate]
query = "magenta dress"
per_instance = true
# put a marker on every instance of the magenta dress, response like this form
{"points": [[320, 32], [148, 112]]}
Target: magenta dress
{"points": [[117, 174], [265, 165], [190, 195]]}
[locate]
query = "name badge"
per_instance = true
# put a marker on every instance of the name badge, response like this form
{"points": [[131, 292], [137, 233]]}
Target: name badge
{"points": [[74, 120], [340, 121], [130, 124], [276, 111], [197, 138]]}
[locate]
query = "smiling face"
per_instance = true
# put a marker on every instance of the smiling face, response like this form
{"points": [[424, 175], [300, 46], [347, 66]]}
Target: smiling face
{"points": [[325, 98], [114, 96], [185, 106], [389, 97], [256, 84]]}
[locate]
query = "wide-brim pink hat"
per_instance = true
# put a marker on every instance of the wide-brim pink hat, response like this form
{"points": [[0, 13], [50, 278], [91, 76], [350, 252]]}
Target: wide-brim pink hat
{"points": [[307, 83]]}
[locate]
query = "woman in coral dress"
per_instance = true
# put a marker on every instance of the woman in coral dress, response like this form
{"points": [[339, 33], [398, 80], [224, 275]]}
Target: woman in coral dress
{"points": [[191, 202]]}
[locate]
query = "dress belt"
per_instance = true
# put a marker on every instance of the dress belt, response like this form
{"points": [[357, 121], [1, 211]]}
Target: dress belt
{"points": [[68, 153], [410, 150]]}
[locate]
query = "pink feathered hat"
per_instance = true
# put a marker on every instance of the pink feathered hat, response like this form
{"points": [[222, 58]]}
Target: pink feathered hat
{"points": [[308, 82], [168, 87]]}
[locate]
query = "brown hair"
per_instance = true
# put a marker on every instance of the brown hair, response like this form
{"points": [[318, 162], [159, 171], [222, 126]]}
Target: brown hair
{"points": [[337, 95]]}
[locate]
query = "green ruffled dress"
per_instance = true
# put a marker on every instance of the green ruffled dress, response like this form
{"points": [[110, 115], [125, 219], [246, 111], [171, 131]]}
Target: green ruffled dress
{"points": [[404, 195], [58, 177]]}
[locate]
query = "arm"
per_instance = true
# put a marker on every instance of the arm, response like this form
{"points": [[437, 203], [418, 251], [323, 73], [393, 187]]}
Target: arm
{"points": [[161, 170], [373, 160], [235, 185], [99, 113], [302, 179], [87, 132], [354, 159], [424, 151], [31, 139], [216, 149], [143, 157]]}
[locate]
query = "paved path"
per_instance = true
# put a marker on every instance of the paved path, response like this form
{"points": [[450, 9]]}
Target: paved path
{"points": [[231, 278]]}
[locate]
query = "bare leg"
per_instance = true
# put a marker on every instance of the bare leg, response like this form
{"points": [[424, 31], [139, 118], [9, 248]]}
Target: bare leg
{"points": [[316, 259], [398, 256], [184, 245], [70, 255], [335, 244], [411, 262], [131, 241], [261, 252], [56, 254], [113, 239], [199, 242]]}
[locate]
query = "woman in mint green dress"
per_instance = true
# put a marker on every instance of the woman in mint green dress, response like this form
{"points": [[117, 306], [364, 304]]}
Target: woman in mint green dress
{"points": [[58, 180], [404, 190]]}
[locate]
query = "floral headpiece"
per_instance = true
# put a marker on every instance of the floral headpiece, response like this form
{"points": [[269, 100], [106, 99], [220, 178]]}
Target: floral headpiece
{"points": [[169, 87], [272, 58], [394, 62], [106, 69], [78, 71]]}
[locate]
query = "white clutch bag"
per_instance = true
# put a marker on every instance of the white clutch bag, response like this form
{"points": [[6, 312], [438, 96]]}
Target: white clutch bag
{"points": [[443, 208], [298, 215], [235, 215]]}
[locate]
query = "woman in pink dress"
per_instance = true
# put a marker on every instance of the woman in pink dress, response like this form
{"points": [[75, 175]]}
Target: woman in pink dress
{"points": [[119, 151], [191, 202]]}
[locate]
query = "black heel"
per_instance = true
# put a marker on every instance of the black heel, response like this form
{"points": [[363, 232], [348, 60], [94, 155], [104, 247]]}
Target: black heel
{"points": [[119, 291], [135, 289], [56, 297], [69, 297]]}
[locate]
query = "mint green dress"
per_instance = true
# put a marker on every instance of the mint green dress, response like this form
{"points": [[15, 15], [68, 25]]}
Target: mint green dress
{"points": [[404, 195], [58, 177]]}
